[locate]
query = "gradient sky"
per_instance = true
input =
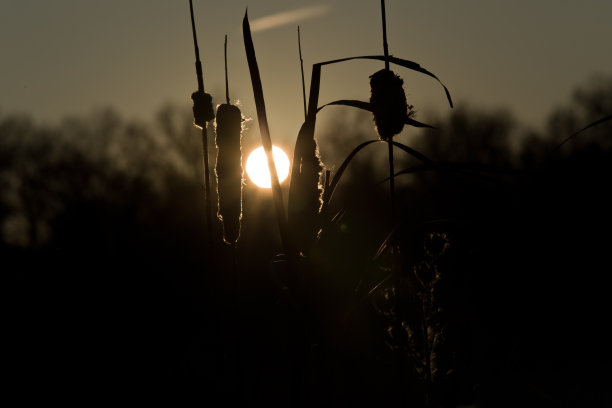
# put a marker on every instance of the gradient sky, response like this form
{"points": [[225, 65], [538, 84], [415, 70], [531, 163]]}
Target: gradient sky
{"points": [[68, 57]]}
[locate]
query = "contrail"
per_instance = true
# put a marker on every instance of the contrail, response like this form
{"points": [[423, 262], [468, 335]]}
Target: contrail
{"points": [[289, 17]]}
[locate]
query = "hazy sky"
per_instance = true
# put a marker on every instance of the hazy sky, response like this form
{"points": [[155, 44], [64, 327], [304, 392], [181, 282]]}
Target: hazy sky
{"points": [[65, 57]]}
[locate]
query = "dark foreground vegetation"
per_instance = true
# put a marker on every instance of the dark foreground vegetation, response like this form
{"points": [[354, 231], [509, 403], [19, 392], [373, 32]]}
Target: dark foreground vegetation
{"points": [[113, 291]]}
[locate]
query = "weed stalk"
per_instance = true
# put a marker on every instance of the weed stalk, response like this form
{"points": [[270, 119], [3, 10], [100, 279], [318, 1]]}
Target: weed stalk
{"points": [[200, 77]]}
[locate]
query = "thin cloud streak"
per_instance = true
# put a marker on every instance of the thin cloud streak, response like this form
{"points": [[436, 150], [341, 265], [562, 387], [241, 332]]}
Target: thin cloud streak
{"points": [[289, 17]]}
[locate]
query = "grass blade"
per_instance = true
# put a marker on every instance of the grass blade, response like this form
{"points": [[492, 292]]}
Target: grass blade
{"points": [[397, 61], [368, 107], [420, 156], [327, 194], [597, 122], [266, 141]]}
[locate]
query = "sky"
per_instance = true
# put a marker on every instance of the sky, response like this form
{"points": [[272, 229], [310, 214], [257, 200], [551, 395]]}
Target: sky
{"points": [[70, 57]]}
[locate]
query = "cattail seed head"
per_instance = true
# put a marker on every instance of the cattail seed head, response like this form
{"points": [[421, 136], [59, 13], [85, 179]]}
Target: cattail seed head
{"points": [[202, 108], [305, 193], [229, 170], [388, 102]]}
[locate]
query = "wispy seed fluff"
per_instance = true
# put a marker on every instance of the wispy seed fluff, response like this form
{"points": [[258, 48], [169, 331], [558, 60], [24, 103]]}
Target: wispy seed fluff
{"points": [[229, 170], [388, 102]]}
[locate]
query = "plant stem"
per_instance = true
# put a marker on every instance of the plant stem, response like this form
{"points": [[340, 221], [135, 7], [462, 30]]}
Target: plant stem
{"points": [[200, 78], [391, 183], [209, 218], [384, 27], [390, 142], [227, 98], [302, 68]]}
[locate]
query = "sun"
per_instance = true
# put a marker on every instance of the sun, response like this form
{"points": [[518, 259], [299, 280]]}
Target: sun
{"points": [[257, 166]]}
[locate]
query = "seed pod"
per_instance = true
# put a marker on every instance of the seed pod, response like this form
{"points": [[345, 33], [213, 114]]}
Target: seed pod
{"points": [[229, 170], [388, 102], [202, 108], [306, 201]]}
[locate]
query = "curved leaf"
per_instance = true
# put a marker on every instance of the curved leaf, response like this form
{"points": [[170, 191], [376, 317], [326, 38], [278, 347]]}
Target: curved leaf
{"points": [[409, 121], [349, 102], [597, 122], [398, 61], [412, 152], [368, 107], [327, 194]]}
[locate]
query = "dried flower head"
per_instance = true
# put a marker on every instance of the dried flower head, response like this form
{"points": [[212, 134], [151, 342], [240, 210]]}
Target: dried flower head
{"points": [[388, 102], [229, 170]]}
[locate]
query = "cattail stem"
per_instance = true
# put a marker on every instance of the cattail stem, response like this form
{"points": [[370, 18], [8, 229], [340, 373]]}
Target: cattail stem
{"points": [[391, 181], [227, 98], [207, 197], [198, 63], [200, 78], [391, 170], [384, 28], [394, 238]]}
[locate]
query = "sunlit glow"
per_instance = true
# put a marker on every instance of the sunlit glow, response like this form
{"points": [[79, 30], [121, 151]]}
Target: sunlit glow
{"points": [[257, 166]]}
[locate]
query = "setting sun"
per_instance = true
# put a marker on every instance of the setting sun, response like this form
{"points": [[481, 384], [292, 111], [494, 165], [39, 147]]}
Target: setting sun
{"points": [[257, 166]]}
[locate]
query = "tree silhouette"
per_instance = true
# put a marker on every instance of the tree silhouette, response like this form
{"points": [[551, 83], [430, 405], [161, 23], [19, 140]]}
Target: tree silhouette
{"points": [[504, 240]]}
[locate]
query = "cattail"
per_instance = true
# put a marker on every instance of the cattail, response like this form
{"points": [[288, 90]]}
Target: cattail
{"points": [[305, 202], [388, 102], [202, 108], [229, 170]]}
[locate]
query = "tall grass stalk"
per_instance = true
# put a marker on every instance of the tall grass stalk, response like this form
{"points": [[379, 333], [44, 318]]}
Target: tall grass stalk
{"points": [[264, 131], [209, 115], [302, 70], [390, 145]]}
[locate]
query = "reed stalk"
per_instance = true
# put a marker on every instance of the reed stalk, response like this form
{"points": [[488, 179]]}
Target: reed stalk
{"points": [[266, 140], [206, 101]]}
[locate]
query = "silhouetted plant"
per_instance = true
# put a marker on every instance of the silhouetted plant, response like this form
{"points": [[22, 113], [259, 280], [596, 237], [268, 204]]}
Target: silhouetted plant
{"points": [[229, 165]]}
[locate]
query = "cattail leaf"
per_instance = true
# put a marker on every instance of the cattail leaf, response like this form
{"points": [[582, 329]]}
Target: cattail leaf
{"points": [[327, 194], [380, 284], [304, 193], [409, 121], [313, 98], [414, 169], [306, 132], [349, 102], [412, 152], [398, 61], [597, 122], [368, 107], [264, 129]]}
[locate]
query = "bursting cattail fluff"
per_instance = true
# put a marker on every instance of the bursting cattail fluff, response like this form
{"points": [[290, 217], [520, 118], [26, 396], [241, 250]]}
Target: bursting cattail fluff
{"points": [[229, 170], [388, 102]]}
